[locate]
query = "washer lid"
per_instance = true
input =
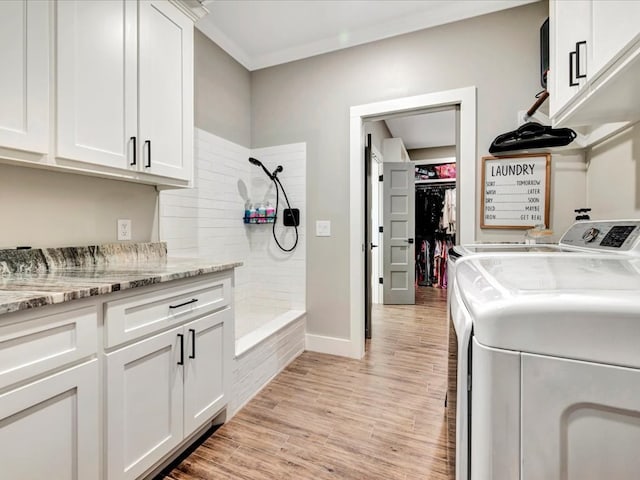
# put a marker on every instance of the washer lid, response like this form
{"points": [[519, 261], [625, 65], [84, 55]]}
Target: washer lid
{"points": [[576, 306]]}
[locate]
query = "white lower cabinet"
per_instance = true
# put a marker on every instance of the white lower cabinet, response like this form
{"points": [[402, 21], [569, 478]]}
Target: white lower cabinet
{"points": [[49, 428], [160, 390], [144, 404], [204, 373]]}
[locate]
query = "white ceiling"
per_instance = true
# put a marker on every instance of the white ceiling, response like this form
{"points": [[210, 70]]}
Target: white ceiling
{"points": [[433, 129], [263, 33]]}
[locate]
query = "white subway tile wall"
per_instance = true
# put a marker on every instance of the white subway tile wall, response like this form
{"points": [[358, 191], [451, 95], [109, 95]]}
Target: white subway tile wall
{"points": [[256, 367], [207, 221]]}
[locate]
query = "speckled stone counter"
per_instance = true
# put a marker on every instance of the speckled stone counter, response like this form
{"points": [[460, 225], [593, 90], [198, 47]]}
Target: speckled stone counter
{"points": [[37, 277]]}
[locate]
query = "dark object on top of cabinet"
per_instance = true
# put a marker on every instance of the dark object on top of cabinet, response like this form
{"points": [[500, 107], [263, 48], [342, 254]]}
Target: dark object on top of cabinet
{"points": [[544, 52], [532, 135]]}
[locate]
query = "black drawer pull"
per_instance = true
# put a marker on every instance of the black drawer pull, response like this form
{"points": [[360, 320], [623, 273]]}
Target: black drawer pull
{"points": [[181, 361], [135, 151], [193, 300], [193, 343], [148, 144], [572, 69]]}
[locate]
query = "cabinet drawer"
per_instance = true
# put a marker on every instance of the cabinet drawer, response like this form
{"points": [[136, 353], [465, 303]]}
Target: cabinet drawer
{"points": [[46, 342], [140, 315]]}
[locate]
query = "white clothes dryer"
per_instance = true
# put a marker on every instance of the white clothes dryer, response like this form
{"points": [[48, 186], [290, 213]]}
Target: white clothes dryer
{"points": [[547, 383]]}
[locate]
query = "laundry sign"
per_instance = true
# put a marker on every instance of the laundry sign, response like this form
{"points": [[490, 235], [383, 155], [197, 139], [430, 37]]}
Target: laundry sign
{"points": [[515, 191]]}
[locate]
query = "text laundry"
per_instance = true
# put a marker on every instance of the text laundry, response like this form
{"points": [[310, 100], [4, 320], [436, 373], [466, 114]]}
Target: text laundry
{"points": [[512, 170]]}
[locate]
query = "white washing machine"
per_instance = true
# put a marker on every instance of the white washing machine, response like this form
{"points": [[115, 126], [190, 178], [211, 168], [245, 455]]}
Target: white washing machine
{"points": [[548, 358]]}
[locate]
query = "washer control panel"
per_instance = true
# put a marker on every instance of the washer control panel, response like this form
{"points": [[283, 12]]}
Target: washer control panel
{"points": [[604, 235]]}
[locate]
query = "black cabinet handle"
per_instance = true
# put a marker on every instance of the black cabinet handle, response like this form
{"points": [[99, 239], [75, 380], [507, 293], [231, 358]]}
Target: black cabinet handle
{"points": [[148, 144], [193, 300], [572, 60], [135, 151], [579, 73], [181, 361], [193, 343]]}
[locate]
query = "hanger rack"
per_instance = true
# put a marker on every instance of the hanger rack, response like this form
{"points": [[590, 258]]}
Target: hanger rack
{"points": [[444, 185]]}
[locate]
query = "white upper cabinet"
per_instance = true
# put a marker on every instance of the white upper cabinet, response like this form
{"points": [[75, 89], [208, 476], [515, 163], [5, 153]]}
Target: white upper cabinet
{"points": [[595, 62], [96, 81], [570, 35], [615, 25], [24, 81], [125, 86], [166, 89]]}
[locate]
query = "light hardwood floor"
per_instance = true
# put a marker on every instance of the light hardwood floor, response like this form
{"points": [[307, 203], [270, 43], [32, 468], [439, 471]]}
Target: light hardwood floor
{"points": [[327, 417]]}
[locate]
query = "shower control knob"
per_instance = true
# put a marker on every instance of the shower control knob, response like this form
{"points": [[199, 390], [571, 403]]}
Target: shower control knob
{"points": [[590, 235]]}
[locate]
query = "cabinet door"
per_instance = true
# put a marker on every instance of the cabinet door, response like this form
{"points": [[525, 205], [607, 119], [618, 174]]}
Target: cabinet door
{"points": [[204, 382], [166, 90], [580, 420], [570, 23], [144, 404], [96, 81], [49, 428], [615, 24], [24, 81]]}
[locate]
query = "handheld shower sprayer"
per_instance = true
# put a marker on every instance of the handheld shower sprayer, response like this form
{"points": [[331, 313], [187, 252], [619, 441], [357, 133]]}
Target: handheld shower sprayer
{"points": [[258, 163], [295, 216]]}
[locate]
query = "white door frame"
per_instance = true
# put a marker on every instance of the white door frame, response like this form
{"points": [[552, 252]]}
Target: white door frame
{"points": [[465, 98]]}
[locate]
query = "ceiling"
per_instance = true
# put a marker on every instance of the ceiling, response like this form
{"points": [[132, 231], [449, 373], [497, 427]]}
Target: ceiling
{"points": [[264, 33], [433, 129]]}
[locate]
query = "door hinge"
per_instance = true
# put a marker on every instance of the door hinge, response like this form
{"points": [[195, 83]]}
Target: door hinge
{"points": [[380, 280], [380, 229], [468, 383], [380, 178]]}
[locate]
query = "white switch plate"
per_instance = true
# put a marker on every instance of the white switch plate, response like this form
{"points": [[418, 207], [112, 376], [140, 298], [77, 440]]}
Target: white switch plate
{"points": [[323, 228], [124, 229]]}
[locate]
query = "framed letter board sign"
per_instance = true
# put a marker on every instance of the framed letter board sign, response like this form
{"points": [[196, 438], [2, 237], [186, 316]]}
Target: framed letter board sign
{"points": [[515, 191]]}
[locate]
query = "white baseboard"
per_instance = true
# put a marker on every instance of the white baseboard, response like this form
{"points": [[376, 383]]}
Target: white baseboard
{"points": [[331, 345]]}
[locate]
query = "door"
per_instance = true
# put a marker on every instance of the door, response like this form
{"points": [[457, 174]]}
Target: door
{"points": [[50, 428], [166, 89], [580, 420], [96, 82], [144, 403], [615, 24], [24, 82], [570, 24], [204, 381], [398, 187], [368, 240]]}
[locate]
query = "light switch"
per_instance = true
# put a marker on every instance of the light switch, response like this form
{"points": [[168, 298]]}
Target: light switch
{"points": [[323, 228]]}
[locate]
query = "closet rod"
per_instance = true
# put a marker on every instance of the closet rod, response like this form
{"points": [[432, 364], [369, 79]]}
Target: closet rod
{"points": [[433, 186]]}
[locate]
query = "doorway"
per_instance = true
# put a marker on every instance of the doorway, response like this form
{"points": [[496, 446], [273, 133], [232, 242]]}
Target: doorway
{"points": [[465, 100], [414, 226]]}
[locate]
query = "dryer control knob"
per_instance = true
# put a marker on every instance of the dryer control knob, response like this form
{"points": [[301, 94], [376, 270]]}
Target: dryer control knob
{"points": [[590, 235]]}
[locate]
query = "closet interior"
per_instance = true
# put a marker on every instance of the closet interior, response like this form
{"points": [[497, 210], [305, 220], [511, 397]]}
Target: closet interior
{"points": [[435, 225]]}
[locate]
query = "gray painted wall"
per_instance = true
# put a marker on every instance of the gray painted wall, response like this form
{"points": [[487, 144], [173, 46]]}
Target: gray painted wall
{"points": [[222, 92], [613, 178], [42, 208], [309, 101], [378, 131]]}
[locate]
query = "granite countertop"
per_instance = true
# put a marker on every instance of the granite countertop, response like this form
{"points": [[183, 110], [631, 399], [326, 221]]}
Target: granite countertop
{"points": [[37, 277]]}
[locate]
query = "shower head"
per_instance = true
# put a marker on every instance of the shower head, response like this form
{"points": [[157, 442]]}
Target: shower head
{"points": [[258, 163]]}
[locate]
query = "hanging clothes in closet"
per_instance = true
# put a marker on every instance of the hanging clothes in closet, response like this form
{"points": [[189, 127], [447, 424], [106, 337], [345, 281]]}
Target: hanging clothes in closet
{"points": [[435, 232]]}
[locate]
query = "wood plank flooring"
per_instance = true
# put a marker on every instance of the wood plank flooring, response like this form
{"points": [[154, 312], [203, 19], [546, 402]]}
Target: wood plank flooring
{"points": [[327, 417]]}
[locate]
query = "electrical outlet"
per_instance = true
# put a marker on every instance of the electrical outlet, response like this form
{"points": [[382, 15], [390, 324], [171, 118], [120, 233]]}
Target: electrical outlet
{"points": [[323, 228], [124, 229]]}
